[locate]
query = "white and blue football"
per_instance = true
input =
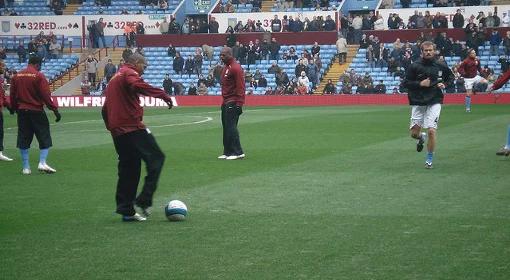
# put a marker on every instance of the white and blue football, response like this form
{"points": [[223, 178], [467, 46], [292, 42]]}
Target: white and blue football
{"points": [[176, 211]]}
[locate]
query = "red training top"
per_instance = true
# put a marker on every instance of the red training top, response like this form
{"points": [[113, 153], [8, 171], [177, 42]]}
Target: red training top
{"points": [[501, 80], [3, 99], [30, 91], [469, 67], [233, 88], [122, 112]]}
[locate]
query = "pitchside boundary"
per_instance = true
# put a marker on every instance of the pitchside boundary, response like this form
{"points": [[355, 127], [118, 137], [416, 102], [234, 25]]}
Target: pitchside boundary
{"points": [[284, 100]]}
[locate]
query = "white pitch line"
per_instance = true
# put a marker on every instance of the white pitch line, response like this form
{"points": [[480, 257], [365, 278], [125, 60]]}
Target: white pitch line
{"points": [[207, 119], [100, 120]]}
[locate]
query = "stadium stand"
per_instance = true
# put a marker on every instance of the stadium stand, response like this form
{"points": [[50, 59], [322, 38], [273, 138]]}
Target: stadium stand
{"points": [[160, 64], [360, 66], [52, 68], [131, 6], [30, 8]]}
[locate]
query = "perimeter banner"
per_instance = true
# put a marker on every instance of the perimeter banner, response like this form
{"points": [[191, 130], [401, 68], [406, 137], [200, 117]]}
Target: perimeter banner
{"points": [[76, 25], [98, 101]]}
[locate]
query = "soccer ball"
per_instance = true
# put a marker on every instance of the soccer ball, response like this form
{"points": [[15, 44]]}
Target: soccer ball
{"points": [[176, 211]]}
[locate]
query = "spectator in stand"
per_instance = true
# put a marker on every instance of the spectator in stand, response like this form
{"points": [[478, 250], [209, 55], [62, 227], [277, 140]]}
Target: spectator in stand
{"points": [[369, 56], [178, 63], [317, 60], [329, 88], [129, 33], [210, 81], [264, 50], [168, 84], [313, 72], [281, 79], [379, 23], [109, 70], [341, 49], [163, 28], [405, 3], [274, 49], [381, 54], [315, 48], [505, 21], [364, 42], [380, 87], [458, 19], [100, 32], [329, 24], [506, 43], [163, 5], [192, 90], [54, 49], [91, 68], [202, 89], [140, 29], [490, 21], [214, 26], [262, 82], [481, 18], [495, 41], [346, 88], [121, 63], [393, 66], [303, 84], [22, 53], [488, 74], [189, 65], [276, 24], [497, 20], [505, 64], [198, 60], [357, 24], [273, 69], [171, 51], [300, 67], [269, 91], [85, 84], [179, 88], [367, 80]]}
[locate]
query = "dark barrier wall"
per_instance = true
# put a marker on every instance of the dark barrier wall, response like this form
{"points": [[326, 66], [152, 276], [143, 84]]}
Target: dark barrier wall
{"points": [[389, 36], [190, 40]]}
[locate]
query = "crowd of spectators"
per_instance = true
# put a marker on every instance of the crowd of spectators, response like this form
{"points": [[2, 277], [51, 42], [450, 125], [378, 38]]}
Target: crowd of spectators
{"points": [[389, 4], [304, 80], [279, 5], [352, 26]]}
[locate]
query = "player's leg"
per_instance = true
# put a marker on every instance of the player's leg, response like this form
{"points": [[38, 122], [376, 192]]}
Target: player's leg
{"points": [[431, 121], [417, 114], [154, 158], [129, 168], [2, 156], [469, 92], [24, 139], [41, 127], [505, 151], [233, 112], [226, 145]]}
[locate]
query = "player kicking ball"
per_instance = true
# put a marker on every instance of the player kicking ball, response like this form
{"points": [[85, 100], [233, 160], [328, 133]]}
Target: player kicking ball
{"points": [[425, 80], [505, 150]]}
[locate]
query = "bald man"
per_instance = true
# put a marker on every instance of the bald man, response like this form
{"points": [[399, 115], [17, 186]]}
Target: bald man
{"points": [[233, 93]]}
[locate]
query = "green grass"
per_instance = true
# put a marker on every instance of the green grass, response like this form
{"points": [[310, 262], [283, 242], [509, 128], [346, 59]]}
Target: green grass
{"points": [[324, 193]]}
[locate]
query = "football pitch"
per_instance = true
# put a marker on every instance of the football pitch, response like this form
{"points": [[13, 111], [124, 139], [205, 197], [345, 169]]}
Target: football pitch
{"points": [[324, 193]]}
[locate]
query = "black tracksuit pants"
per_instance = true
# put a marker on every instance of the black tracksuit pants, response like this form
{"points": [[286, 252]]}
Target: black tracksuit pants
{"points": [[132, 148], [229, 118]]}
